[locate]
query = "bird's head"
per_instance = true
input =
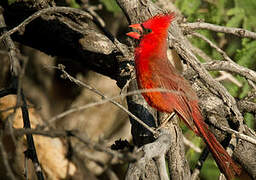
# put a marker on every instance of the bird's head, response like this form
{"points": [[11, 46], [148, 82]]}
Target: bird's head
{"points": [[157, 24]]}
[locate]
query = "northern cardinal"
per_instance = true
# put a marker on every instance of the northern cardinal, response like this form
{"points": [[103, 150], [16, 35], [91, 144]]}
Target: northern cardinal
{"points": [[153, 70]]}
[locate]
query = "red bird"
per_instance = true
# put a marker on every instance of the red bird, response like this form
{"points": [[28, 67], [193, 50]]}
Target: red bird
{"points": [[153, 70]]}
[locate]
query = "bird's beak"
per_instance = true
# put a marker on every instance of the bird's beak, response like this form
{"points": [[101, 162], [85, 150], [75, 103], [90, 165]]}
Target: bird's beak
{"points": [[135, 35], [137, 27]]}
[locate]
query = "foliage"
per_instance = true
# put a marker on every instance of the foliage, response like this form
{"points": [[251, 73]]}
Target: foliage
{"points": [[111, 6], [74, 4]]}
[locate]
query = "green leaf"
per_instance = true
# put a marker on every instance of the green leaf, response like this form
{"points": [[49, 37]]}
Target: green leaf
{"points": [[247, 55], [74, 4], [238, 15], [111, 6], [249, 120], [210, 170]]}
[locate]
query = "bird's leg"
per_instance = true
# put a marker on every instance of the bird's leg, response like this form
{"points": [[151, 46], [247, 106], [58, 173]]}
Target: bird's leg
{"points": [[166, 120]]}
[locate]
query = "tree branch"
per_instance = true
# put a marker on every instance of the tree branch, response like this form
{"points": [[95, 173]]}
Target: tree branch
{"points": [[230, 67], [228, 30]]}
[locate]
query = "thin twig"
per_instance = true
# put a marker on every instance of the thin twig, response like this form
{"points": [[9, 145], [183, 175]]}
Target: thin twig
{"points": [[31, 151], [213, 27], [224, 76], [228, 76], [180, 44], [12, 50], [17, 74], [225, 56], [230, 67], [41, 12], [80, 83], [83, 139], [105, 100], [91, 9], [191, 145], [75, 109], [80, 108], [239, 135]]}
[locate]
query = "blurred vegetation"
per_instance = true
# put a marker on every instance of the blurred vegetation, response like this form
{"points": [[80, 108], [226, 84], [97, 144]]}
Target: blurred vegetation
{"points": [[111, 6]]}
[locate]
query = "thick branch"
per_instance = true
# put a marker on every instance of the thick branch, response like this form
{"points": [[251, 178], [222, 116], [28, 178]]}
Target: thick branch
{"points": [[64, 32], [152, 150]]}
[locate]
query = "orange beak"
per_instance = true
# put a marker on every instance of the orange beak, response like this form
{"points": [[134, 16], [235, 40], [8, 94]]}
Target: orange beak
{"points": [[135, 35], [137, 27]]}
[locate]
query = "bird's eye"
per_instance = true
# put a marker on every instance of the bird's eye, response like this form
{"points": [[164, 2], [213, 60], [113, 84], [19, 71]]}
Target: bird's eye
{"points": [[145, 30]]}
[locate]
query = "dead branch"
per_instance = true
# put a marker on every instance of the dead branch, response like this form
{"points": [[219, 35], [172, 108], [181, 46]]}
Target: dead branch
{"points": [[74, 34], [213, 27], [230, 67], [17, 75], [152, 150], [82, 138], [225, 56]]}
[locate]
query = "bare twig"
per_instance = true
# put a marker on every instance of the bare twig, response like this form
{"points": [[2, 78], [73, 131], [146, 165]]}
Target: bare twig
{"points": [[229, 30], [212, 45], [17, 75], [31, 151], [225, 74], [12, 50], [206, 77], [91, 9], [231, 67], [109, 99], [105, 100], [75, 109], [81, 138], [44, 11], [239, 135], [191, 145], [100, 23], [80, 83]]}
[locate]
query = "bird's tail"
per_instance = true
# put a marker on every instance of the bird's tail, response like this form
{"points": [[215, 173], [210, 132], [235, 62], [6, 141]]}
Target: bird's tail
{"points": [[222, 158]]}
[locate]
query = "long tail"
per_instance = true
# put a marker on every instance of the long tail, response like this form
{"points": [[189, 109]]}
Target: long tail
{"points": [[222, 158]]}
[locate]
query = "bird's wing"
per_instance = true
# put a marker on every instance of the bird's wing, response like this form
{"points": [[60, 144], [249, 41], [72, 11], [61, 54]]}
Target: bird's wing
{"points": [[181, 93]]}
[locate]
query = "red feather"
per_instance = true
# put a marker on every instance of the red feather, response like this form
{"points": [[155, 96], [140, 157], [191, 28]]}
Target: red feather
{"points": [[153, 70]]}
